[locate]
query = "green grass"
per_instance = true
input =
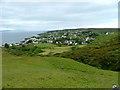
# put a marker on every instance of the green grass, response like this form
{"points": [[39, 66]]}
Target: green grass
{"points": [[53, 49], [53, 72], [104, 38], [46, 45]]}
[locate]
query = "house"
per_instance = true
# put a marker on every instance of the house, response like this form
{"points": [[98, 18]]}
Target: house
{"points": [[10, 44], [35, 42], [87, 39], [107, 33], [16, 44], [83, 43], [75, 43], [49, 41]]}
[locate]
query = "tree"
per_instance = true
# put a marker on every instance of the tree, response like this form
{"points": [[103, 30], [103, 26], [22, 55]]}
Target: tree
{"points": [[6, 45], [30, 41]]}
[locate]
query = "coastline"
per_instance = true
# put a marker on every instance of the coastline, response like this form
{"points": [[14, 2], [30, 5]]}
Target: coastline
{"points": [[16, 37]]}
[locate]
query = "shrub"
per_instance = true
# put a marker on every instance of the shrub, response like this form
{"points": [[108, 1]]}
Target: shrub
{"points": [[74, 48], [24, 50], [6, 45]]}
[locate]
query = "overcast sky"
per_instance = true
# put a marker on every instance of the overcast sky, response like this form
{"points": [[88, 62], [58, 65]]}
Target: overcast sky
{"points": [[39, 16]]}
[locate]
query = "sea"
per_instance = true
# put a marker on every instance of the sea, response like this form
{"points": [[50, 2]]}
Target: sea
{"points": [[16, 36]]}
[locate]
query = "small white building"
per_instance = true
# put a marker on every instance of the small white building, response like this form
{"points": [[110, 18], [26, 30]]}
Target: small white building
{"points": [[35, 42], [16, 44], [75, 43], [10, 45]]}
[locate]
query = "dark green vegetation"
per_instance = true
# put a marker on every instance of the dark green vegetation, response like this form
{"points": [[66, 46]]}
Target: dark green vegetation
{"points": [[103, 53], [6, 45], [27, 49], [53, 72]]}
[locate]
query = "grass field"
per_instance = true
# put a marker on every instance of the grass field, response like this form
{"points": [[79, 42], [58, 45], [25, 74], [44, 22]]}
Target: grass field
{"points": [[105, 38], [53, 72], [53, 49]]}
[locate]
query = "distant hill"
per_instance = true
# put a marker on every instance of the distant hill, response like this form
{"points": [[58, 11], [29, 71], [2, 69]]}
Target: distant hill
{"points": [[5, 30], [89, 29]]}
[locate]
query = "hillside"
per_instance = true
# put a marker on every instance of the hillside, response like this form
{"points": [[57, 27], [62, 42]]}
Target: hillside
{"points": [[53, 72], [103, 52], [34, 64]]}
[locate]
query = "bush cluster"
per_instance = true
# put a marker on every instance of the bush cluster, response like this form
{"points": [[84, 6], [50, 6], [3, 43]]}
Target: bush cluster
{"points": [[28, 49]]}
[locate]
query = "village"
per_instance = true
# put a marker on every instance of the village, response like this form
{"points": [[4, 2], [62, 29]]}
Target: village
{"points": [[62, 37]]}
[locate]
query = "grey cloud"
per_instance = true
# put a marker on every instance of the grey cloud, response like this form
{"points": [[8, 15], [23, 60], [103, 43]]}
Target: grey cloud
{"points": [[59, 14]]}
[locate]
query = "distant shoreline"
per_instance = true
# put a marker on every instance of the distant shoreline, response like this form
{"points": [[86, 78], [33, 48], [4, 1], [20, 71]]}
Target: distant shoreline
{"points": [[16, 37]]}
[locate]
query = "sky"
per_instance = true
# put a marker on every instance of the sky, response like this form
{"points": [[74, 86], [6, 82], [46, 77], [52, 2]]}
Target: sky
{"points": [[36, 15]]}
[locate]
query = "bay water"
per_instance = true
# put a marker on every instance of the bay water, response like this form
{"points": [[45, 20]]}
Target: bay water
{"points": [[17, 36]]}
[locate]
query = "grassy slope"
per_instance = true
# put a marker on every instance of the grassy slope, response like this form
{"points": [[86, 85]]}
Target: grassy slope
{"points": [[102, 53], [53, 72], [56, 49], [105, 38], [53, 49]]}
